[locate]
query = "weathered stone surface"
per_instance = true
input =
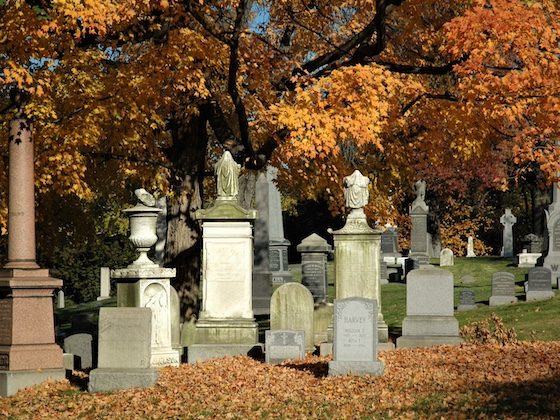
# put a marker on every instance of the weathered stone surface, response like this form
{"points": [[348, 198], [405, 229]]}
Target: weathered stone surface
{"points": [[470, 247], [322, 319], [291, 308], [539, 286], [314, 251], [507, 220], [125, 336], [446, 258], [503, 289], [106, 380], [355, 338], [104, 283], [81, 346], [282, 345], [466, 300], [429, 309]]}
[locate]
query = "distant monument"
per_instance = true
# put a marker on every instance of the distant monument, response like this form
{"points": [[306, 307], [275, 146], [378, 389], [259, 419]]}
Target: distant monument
{"points": [[552, 259], [470, 247], [419, 233], [507, 220]]}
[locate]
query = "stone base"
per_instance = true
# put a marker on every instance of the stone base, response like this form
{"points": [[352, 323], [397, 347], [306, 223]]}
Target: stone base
{"points": [[356, 368], [32, 356], [382, 331], [281, 277], [262, 291], [539, 295], [105, 379], [425, 325], [427, 340], [11, 381], [226, 331], [462, 308], [527, 259], [167, 357], [501, 300], [202, 352]]}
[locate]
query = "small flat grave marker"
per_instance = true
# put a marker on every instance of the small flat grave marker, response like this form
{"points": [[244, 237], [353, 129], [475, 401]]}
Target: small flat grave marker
{"points": [[282, 345]]}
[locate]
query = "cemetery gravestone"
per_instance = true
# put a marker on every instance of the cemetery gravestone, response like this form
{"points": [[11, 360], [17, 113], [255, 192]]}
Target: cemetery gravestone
{"points": [[291, 308], [419, 234], [322, 318], [446, 258], [355, 338], [80, 345], [226, 325], [125, 344], [282, 345], [507, 220], [470, 247], [503, 289], [314, 251], [384, 275], [552, 259], [104, 283], [429, 309], [466, 300], [28, 352], [538, 286], [357, 251], [60, 299]]}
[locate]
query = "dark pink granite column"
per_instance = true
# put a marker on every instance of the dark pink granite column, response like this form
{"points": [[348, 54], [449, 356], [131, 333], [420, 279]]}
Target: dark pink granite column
{"points": [[21, 201], [28, 352]]}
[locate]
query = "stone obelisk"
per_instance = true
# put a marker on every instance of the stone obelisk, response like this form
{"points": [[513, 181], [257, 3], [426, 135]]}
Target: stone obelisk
{"points": [[28, 352]]}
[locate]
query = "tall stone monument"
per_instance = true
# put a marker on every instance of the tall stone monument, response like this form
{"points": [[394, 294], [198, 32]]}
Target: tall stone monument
{"points": [[552, 258], [28, 352], [419, 234], [277, 244], [226, 324], [507, 220], [357, 251], [144, 284]]}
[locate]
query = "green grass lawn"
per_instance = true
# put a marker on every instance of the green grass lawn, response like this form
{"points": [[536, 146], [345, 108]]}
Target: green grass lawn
{"points": [[531, 320]]}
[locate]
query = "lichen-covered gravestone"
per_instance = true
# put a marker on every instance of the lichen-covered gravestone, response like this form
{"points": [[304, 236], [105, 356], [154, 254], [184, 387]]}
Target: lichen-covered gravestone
{"points": [[291, 308], [355, 338]]}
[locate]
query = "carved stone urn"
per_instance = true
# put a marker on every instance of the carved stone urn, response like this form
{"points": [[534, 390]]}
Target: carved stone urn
{"points": [[143, 230]]}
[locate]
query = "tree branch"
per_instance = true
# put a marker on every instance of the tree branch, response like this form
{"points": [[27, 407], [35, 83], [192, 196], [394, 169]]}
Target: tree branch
{"points": [[446, 96]]}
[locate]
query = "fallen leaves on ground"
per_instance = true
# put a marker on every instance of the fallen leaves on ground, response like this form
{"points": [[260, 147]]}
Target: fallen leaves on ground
{"points": [[472, 380]]}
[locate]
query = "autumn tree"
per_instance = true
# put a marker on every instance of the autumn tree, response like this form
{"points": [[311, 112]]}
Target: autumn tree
{"points": [[462, 94]]}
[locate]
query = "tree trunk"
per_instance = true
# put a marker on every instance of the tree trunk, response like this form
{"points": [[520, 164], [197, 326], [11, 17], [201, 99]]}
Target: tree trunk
{"points": [[188, 155]]}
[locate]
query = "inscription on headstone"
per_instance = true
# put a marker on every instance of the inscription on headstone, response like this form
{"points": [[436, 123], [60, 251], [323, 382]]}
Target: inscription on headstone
{"points": [[556, 236], [539, 285], [274, 256], [419, 233], [281, 345], [355, 337], [503, 289], [5, 316], [466, 297]]}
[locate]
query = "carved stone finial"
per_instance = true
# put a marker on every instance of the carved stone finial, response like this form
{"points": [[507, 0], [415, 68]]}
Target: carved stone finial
{"points": [[145, 197], [356, 192], [420, 190], [227, 176]]}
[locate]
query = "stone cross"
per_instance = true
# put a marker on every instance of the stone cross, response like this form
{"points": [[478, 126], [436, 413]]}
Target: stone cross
{"points": [[227, 177], [508, 220]]}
